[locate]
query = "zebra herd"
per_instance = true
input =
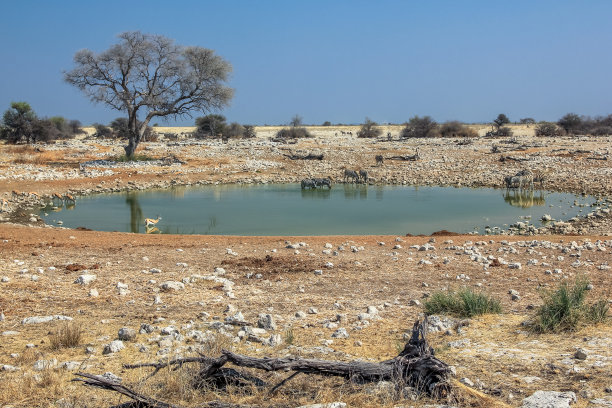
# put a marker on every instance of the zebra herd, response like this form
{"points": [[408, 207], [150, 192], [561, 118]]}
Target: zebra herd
{"points": [[316, 182], [524, 179], [356, 176]]}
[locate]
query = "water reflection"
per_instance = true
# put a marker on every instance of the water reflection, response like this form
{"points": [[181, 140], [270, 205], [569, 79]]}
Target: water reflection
{"points": [[136, 217], [524, 198], [316, 193], [353, 192]]}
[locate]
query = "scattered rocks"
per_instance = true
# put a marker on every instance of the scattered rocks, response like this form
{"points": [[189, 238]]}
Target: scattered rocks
{"points": [[169, 286], [113, 347], [126, 334], [44, 319], [549, 399]]}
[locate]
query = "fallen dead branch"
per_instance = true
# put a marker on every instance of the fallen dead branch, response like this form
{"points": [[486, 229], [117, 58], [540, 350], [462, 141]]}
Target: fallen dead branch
{"points": [[309, 156], [415, 367], [414, 157]]}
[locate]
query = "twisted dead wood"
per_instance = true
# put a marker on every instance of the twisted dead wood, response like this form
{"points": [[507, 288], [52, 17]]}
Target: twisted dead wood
{"points": [[416, 367]]}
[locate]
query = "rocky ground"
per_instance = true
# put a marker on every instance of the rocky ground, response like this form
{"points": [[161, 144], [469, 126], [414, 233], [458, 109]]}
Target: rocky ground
{"points": [[140, 298]]}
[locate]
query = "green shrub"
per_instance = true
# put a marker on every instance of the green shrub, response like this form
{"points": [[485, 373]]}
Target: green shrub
{"points": [[369, 129], [464, 303], [548, 129], [456, 129], [564, 309], [420, 127], [293, 133]]}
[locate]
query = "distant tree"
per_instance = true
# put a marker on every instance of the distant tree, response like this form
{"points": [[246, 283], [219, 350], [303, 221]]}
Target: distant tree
{"points": [[234, 131], [249, 132], [103, 131], [504, 131], [501, 120], [75, 127], [18, 123], [548, 129], [212, 125], [456, 129], [296, 131], [326, 123], [45, 131], [571, 123], [150, 74], [527, 121], [296, 121], [369, 129], [420, 127]]}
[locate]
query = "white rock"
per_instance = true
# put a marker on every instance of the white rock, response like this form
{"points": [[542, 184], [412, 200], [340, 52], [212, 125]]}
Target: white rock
{"points": [[85, 279], [549, 399], [172, 285], [113, 347], [341, 333], [44, 319]]}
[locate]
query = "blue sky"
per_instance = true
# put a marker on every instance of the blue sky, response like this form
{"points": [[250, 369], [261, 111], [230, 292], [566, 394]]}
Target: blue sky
{"points": [[335, 60]]}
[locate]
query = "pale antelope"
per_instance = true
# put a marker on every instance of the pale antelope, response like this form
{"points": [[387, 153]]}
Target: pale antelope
{"points": [[149, 222], [69, 197], [57, 196], [34, 194], [16, 193]]}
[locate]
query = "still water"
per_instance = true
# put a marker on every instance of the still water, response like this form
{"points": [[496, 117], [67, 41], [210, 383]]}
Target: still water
{"points": [[285, 209]]}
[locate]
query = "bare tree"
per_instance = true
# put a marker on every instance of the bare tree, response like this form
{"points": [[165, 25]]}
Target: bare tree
{"points": [[151, 76]]}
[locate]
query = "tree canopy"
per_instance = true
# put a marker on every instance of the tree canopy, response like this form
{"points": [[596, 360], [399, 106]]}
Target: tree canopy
{"points": [[150, 76]]}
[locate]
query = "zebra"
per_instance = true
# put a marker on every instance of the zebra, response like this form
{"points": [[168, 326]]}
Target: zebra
{"points": [[379, 159], [352, 174], [525, 177], [320, 182], [306, 183], [363, 176], [539, 177]]}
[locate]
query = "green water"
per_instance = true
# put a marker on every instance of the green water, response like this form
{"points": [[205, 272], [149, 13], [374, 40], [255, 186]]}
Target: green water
{"points": [[285, 209]]}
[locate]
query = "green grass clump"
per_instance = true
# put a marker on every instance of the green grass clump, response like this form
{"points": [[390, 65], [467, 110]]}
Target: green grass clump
{"points": [[464, 303], [564, 309]]}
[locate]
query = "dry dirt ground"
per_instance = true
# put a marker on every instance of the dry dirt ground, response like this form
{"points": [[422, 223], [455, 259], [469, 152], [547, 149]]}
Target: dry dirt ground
{"points": [[276, 275]]}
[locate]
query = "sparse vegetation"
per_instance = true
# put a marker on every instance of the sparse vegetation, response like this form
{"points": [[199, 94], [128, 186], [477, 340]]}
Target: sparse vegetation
{"points": [[548, 129], [136, 157], [456, 129], [565, 310], [68, 335], [21, 125], [210, 126], [464, 303], [420, 127], [369, 129], [296, 131]]}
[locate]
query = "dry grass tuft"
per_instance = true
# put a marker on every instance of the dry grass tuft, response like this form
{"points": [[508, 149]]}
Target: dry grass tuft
{"points": [[68, 335]]}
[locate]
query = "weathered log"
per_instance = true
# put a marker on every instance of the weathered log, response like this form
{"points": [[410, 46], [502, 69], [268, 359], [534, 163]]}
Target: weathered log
{"points": [[309, 156], [416, 367], [405, 158]]}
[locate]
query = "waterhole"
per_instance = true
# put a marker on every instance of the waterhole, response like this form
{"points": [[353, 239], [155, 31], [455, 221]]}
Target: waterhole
{"points": [[286, 209]]}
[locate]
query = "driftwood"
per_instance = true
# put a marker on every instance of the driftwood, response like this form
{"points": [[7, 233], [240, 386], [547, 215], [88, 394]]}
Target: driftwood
{"points": [[510, 158], [414, 157], [416, 367], [309, 156]]}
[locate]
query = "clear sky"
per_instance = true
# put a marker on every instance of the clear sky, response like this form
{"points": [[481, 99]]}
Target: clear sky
{"points": [[335, 60]]}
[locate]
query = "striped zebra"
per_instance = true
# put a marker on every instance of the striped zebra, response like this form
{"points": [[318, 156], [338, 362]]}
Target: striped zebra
{"points": [[351, 174]]}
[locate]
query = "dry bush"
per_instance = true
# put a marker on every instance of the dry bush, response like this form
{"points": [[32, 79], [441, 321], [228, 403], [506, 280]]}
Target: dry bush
{"points": [[68, 335]]}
